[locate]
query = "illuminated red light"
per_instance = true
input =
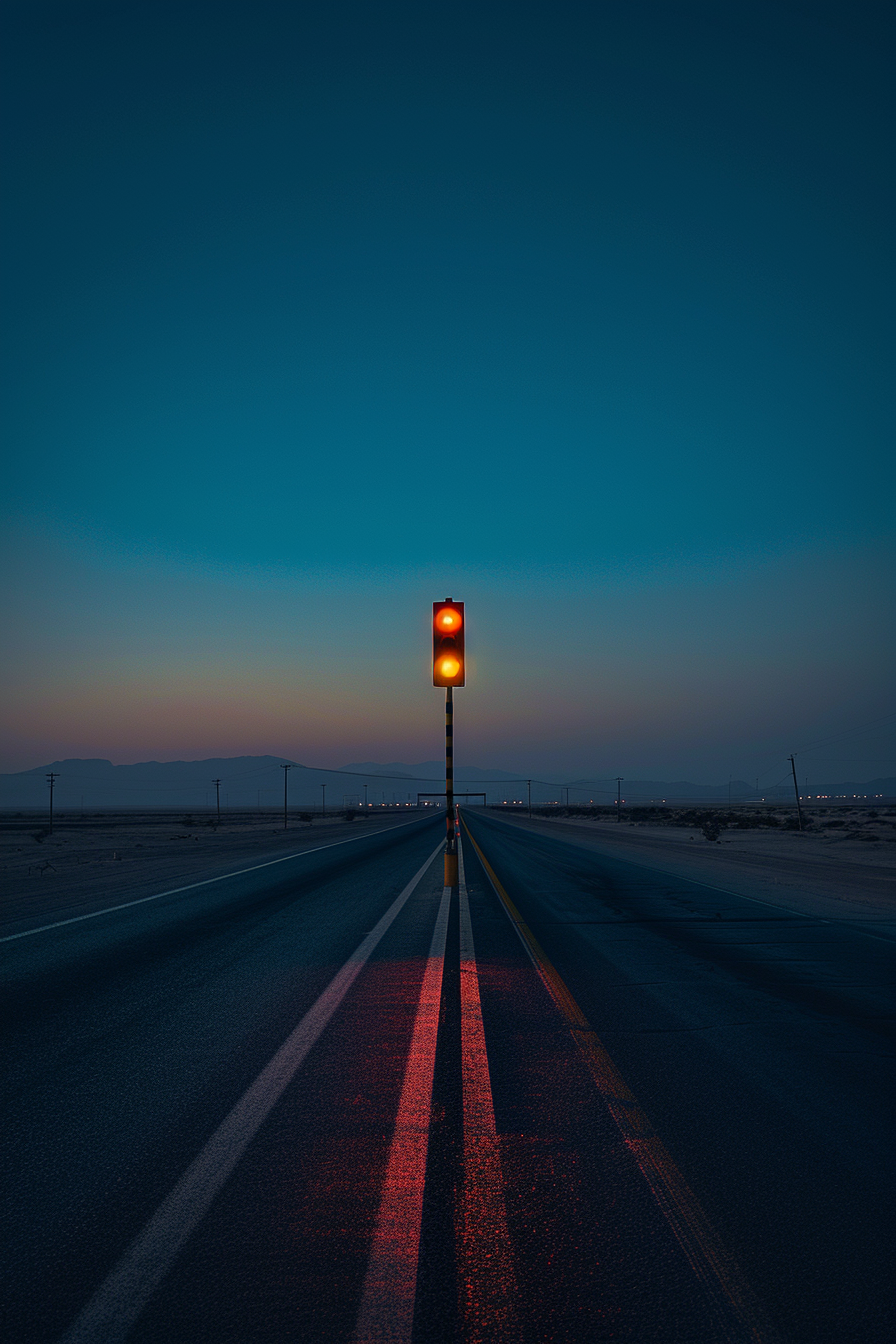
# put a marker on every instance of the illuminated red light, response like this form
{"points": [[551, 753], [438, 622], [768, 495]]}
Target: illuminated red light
{"points": [[448, 619]]}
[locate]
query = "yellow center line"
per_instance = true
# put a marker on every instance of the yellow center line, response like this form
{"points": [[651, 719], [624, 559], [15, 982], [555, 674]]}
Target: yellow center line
{"points": [[739, 1313]]}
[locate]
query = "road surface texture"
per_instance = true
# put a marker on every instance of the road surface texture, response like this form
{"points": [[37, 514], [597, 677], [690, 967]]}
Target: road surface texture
{"points": [[324, 1098]]}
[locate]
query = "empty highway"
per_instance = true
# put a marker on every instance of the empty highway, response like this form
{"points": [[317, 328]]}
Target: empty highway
{"points": [[326, 1098]]}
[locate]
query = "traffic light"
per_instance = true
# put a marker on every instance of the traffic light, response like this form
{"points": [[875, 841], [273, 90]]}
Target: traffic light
{"points": [[448, 643]]}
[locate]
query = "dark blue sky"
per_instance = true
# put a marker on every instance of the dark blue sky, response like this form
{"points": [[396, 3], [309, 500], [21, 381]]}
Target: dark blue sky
{"points": [[547, 302]]}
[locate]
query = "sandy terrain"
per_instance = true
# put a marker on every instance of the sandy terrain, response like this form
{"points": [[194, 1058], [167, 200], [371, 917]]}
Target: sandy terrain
{"points": [[89, 862], [827, 872]]}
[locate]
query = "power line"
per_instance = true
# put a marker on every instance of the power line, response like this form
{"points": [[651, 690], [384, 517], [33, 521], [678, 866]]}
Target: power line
{"points": [[848, 732]]}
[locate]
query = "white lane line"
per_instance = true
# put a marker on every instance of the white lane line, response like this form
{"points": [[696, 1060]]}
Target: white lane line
{"points": [[851, 922], [141, 900], [390, 1284], [115, 1306], [488, 1280]]}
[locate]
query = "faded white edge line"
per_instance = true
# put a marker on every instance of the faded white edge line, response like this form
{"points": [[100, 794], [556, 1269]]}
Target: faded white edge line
{"points": [[695, 881], [115, 1306], [207, 881], [832, 920], [386, 1313], [854, 924]]}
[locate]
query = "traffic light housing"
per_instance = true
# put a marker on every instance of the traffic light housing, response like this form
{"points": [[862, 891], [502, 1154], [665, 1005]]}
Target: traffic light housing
{"points": [[448, 643]]}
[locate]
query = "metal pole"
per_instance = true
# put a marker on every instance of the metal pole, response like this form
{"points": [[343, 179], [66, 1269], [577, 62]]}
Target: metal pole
{"points": [[796, 789], [52, 777], [529, 794], [286, 769], [217, 784], [619, 797], [450, 837], [365, 795], [323, 806]]}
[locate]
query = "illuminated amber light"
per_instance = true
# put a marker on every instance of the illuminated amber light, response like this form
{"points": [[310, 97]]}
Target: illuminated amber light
{"points": [[449, 667], [448, 619]]}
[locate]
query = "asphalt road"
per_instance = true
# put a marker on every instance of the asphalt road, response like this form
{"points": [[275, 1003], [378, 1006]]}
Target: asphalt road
{"points": [[324, 1100]]}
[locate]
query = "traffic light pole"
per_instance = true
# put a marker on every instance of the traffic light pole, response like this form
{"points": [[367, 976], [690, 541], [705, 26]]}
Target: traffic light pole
{"points": [[451, 838], [448, 671]]}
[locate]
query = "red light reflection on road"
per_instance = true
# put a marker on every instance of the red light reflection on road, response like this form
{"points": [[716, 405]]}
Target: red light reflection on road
{"points": [[487, 1280], [334, 1189], [387, 1303]]}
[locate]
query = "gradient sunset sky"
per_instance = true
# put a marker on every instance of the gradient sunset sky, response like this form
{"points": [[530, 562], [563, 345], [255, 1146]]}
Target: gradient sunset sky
{"points": [[579, 312]]}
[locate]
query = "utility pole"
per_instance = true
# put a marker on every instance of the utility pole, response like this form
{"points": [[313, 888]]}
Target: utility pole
{"points": [[286, 769], [365, 795], [529, 792], [51, 780], [217, 784], [796, 789], [323, 794], [619, 797]]}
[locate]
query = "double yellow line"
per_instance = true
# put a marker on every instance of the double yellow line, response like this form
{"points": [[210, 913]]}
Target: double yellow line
{"points": [[739, 1315]]}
